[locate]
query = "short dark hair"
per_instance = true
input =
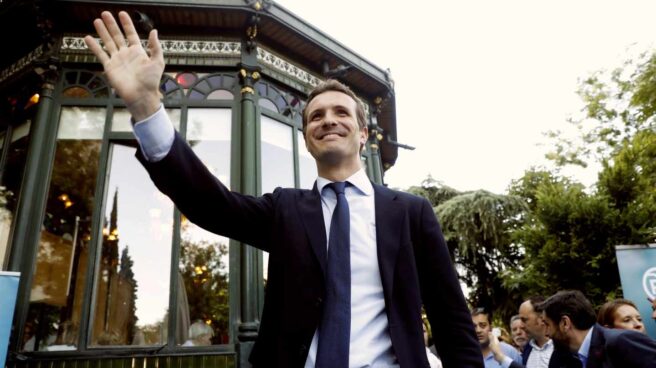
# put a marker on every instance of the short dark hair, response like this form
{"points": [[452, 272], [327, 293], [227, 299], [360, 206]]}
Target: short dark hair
{"points": [[606, 315], [334, 85], [536, 301], [514, 318], [570, 303], [478, 311]]}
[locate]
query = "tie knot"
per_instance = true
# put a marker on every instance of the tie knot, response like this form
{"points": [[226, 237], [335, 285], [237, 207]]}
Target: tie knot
{"points": [[337, 187]]}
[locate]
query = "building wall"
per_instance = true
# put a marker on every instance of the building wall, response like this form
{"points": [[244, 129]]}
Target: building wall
{"points": [[110, 256]]}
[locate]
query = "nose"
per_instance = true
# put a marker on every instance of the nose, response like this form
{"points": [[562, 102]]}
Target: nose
{"points": [[330, 118]]}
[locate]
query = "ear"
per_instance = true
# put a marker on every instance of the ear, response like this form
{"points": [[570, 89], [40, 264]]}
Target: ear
{"points": [[364, 135], [565, 323]]}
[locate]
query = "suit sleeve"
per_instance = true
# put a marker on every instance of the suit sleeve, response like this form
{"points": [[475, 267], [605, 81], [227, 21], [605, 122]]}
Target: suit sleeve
{"points": [[453, 331], [205, 201], [632, 350]]}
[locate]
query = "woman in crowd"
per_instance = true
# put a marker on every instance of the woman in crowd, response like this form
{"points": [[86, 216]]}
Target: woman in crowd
{"points": [[620, 313]]}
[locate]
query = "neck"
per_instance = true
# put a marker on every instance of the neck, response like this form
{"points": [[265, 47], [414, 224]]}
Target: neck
{"points": [[541, 340], [339, 172], [577, 339], [485, 350]]}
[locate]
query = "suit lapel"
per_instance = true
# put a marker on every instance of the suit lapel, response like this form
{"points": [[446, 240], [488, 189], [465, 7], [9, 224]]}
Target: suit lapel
{"points": [[309, 207], [389, 224], [596, 352]]}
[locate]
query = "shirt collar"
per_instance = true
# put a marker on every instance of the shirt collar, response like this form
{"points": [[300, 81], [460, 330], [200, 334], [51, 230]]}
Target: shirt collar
{"points": [[535, 346], [359, 180], [584, 350]]}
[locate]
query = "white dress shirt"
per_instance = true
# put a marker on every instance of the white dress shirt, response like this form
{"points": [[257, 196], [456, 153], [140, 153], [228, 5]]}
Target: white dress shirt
{"points": [[540, 356], [370, 342], [370, 345]]}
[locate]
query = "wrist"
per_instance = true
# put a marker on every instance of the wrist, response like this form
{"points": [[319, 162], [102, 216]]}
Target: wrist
{"points": [[499, 357], [144, 107]]}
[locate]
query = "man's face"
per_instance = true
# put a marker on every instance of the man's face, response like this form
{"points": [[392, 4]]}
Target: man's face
{"points": [[556, 331], [483, 328], [518, 333], [653, 309], [533, 323], [332, 134]]}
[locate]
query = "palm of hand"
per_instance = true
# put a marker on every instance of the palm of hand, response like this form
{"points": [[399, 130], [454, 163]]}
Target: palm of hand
{"points": [[133, 73]]}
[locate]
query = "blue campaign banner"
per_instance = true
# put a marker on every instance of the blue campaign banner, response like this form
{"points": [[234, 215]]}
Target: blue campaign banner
{"points": [[637, 265], [8, 290]]}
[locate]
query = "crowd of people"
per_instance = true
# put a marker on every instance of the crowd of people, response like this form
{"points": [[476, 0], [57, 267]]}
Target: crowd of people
{"points": [[564, 331]]}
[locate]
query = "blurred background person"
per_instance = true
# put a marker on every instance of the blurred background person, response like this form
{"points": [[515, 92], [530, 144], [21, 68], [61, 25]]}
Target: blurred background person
{"points": [[621, 313], [518, 333], [200, 334], [433, 360], [499, 354]]}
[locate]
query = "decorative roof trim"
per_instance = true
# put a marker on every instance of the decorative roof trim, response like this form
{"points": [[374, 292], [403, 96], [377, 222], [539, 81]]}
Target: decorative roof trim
{"points": [[278, 63], [177, 47], [21, 63]]}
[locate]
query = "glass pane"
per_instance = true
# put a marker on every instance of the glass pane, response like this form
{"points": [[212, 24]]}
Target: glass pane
{"points": [[132, 290], [121, 120], [220, 94], [277, 155], [88, 123], [203, 303], [307, 167], [267, 104], [76, 92], [12, 177], [61, 263]]}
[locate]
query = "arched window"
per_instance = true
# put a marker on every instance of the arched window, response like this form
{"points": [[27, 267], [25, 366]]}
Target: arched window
{"points": [[84, 84], [212, 87]]}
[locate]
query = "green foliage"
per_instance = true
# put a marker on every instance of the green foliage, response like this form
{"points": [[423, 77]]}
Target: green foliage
{"points": [[476, 227], [433, 190], [203, 269], [617, 104], [567, 239], [628, 180], [551, 233]]}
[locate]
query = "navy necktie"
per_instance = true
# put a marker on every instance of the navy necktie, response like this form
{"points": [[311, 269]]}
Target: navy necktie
{"points": [[335, 328]]}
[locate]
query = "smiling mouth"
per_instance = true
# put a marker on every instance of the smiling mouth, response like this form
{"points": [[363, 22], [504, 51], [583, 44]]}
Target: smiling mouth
{"points": [[329, 135]]}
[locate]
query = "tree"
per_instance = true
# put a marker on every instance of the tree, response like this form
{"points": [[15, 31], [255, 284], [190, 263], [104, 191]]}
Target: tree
{"points": [[203, 270], [477, 227], [566, 239]]}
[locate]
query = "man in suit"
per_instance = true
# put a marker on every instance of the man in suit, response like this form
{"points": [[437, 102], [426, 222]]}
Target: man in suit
{"points": [[571, 322], [540, 351], [351, 263]]}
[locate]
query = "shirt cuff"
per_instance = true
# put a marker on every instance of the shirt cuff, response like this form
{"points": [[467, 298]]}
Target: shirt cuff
{"points": [[155, 135], [506, 362]]}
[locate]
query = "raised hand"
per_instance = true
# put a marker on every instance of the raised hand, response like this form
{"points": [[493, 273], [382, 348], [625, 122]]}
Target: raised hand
{"points": [[133, 72]]}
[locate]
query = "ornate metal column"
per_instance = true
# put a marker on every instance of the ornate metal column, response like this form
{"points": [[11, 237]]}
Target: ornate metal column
{"points": [[249, 73], [33, 192], [375, 136]]}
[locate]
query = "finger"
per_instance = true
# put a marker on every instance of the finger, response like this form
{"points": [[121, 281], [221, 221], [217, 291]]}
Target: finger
{"points": [[106, 39], [130, 32], [154, 46], [94, 46], [114, 30]]}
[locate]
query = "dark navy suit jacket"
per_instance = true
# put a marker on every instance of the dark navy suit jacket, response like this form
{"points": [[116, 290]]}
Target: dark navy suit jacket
{"points": [[616, 348], [414, 263]]}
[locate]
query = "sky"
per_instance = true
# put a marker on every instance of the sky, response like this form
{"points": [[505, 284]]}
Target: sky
{"points": [[477, 82]]}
